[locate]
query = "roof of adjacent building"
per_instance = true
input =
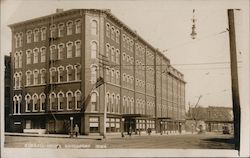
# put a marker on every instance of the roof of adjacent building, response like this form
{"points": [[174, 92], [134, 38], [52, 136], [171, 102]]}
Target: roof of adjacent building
{"points": [[106, 12]]}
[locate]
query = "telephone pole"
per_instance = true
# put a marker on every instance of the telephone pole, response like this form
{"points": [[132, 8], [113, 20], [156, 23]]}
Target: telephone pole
{"points": [[234, 78]]}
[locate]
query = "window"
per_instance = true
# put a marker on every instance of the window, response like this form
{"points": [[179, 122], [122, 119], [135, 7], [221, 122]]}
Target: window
{"points": [[113, 54], [60, 100], [124, 56], [20, 39], [60, 51], [78, 26], [117, 36], [107, 30], [117, 104], [69, 28], [17, 104], [43, 54], [107, 50], [28, 54], [29, 36], [20, 79], [69, 70], [107, 74], [69, 49], [28, 103], [53, 75], [20, 60], [43, 33], [93, 69], [113, 103], [107, 101], [94, 101], [53, 52], [112, 76], [69, 96], [117, 77], [17, 40], [94, 27], [53, 31], [78, 48], [78, 99], [60, 73], [35, 102], [124, 103], [52, 98], [16, 60], [93, 50], [77, 72], [36, 35], [28, 78], [42, 102], [113, 33], [117, 56], [35, 72], [60, 30], [132, 106], [35, 55], [43, 76], [16, 79]]}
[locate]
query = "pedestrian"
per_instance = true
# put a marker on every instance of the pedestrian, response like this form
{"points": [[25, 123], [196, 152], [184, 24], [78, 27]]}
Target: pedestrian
{"points": [[76, 130], [130, 131]]}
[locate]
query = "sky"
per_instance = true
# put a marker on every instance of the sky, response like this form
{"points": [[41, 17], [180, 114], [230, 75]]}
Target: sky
{"points": [[166, 24]]}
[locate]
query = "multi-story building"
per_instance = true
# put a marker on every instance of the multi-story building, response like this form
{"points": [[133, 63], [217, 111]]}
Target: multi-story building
{"points": [[57, 59]]}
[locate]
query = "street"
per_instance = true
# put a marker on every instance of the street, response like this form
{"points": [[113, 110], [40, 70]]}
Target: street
{"points": [[187, 141]]}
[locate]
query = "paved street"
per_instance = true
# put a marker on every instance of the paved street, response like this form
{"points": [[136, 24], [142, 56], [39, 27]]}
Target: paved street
{"points": [[188, 141]]}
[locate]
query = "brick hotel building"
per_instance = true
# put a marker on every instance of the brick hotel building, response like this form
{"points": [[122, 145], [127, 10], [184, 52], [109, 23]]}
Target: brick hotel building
{"points": [[57, 59]]}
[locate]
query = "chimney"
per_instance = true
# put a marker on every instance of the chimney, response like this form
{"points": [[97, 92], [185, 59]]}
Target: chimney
{"points": [[59, 10]]}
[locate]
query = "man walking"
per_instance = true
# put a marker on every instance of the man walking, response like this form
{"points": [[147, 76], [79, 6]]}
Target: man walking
{"points": [[76, 129]]}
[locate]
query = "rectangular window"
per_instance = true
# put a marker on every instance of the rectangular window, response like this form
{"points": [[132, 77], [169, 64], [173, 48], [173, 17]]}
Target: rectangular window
{"points": [[29, 34], [60, 30], [78, 26], [43, 55], [60, 51], [69, 28], [69, 50], [35, 56], [36, 35], [78, 49], [43, 34]]}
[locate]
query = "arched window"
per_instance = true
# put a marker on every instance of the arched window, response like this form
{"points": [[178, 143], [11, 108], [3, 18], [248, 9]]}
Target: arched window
{"points": [[107, 51], [52, 97], [117, 56], [78, 26], [35, 102], [77, 48], [117, 104], [43, 33], [94, 101], [113, 33], [70, 102], [36, 35], [17, 40], [107, 74], [113, 104], [60, 30], [60, 96], [128, 105], [43, 76], [78, 96], [124, 104], [28, 78], [113, 54], [60, 51], [77, 72], [35, 55], [29, 36], [28, 103], [42, 101], [53, 75], [16, 60], [53, 52], [35, 77], [28, 56], [69, 28], [20, 60], [108, 101], [117, 77], [53, 31], [16, 80], [112, 75], [93, 69], [15, 105], [43, 54], [60, 73], [107, 30], [70, 73], [94, 27], [117, 36], [93, 50], [132, 106], [69, 49]]}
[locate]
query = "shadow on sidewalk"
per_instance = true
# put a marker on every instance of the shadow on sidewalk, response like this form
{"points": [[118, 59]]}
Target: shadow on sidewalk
{"points": [[218, 143]]}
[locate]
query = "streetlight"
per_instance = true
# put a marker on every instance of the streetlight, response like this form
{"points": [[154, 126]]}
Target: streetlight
{"points": [[122, 127], [71, 126], [161, 127]]}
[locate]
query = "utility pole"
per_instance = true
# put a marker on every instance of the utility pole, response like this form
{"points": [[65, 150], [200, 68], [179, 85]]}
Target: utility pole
{"points": [[104, 63], [234, 78]]}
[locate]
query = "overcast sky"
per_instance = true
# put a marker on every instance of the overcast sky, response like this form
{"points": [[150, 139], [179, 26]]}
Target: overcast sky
{"points": [[166, 25]]}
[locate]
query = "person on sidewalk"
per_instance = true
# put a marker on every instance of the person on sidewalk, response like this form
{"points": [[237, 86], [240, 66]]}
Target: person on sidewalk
{"points": [[76, 130]]}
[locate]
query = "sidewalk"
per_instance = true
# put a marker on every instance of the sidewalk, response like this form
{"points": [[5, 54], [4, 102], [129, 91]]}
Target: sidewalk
{"points": [[95, 137]]}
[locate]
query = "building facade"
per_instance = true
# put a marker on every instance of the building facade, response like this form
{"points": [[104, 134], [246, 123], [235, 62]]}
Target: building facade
{"points": [[57, 60], [7, 98]]}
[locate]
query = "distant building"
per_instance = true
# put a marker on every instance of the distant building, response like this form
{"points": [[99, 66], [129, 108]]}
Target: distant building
{"points": [[56, 64], [214, 117], [7, 98]]}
